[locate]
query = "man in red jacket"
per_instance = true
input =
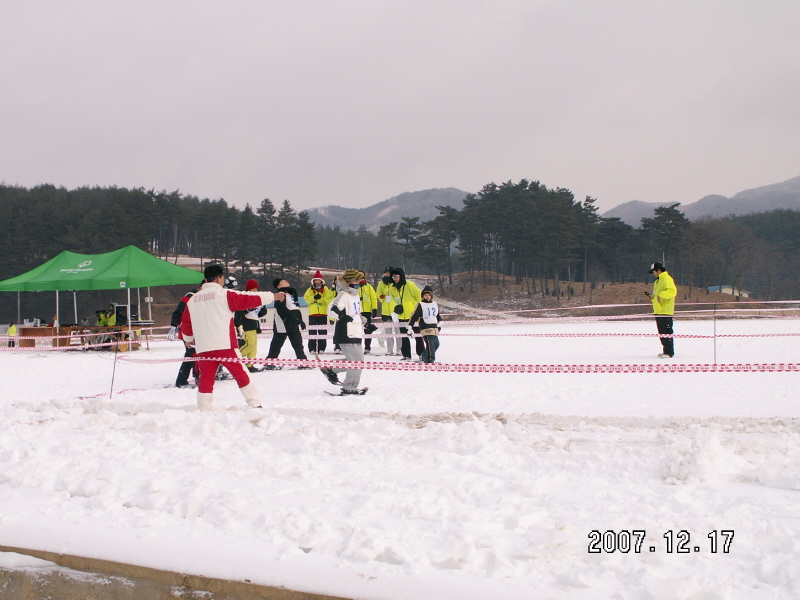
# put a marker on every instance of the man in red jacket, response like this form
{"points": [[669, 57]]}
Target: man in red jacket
{"points": [[207, 324]]}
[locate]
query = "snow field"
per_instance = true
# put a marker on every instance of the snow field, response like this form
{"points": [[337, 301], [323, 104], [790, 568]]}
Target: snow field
{"points": [[433, 485]]}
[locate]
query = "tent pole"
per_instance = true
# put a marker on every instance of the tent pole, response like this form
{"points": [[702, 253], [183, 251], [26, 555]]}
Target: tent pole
{"points": [[130, 327], [19, 314], [149, 305], [56, 320], [75, 305]]}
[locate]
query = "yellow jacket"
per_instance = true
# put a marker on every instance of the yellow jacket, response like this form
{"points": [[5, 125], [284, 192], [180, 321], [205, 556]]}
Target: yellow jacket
{"points": [[664, 292], [409, 296], [384, 295], [369, 301], [319, 307], [12, 329]]}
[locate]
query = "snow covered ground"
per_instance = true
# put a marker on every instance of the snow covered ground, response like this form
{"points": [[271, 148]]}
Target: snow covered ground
{"points": [[433, 485]]}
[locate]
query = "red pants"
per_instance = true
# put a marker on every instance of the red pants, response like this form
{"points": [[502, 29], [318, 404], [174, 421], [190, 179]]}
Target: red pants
{"points": [[208, 369]]}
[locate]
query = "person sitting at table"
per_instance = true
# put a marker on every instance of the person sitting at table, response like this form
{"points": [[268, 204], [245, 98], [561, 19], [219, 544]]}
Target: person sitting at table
{"points": [[111, 315]]}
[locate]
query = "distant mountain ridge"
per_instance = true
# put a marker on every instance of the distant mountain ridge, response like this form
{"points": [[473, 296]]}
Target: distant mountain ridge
{"points": [[768, 197], [420, 204]]}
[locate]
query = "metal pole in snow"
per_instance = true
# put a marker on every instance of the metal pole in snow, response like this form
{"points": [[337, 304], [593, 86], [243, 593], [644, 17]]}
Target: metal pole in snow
{"points": [[75, 304], [715, 334]]}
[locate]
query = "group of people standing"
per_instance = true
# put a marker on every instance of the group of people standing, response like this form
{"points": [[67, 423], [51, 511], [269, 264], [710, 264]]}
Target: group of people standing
{"points": [[396, 300], [220, 324]]}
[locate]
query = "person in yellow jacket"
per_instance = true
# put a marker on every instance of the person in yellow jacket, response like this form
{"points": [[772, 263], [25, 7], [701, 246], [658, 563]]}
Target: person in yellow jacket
{"points": [[391, 328], [406, 296], [318, 297], [12, 331], [663, 299], [369, 308], [111, 315]]}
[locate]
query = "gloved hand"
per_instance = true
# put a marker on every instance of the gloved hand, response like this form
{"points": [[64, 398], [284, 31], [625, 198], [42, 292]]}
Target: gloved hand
{"points": [[416, 330], [346, 319], [302, 324], [317, 296], [240, 332], [374, 313], [173, 333]]}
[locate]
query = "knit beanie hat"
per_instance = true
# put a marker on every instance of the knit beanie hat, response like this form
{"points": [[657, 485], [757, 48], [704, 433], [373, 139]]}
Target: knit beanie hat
{"points": [[317, 275], [426, 290], [276, 282], [351, 275], [251, 284]]}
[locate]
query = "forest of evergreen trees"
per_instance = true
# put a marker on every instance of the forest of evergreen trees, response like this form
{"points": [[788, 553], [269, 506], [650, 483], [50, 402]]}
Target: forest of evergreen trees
{"points": [[525, 230]]}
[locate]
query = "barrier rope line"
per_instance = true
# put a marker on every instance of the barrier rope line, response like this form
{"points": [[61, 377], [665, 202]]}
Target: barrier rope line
{"points": [[501, 368], [85, 346], [643, 304]]}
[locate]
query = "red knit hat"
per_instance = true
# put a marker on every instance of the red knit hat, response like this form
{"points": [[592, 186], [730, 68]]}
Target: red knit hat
{"points": [[317, 275], [251, 284]]}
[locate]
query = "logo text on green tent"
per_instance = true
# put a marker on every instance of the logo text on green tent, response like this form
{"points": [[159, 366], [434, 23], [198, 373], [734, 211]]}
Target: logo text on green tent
{"points": [[80, 269]]}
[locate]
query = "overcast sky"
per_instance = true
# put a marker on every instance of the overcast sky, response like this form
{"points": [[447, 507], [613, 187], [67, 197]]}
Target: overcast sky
{"points": [[348, 102]]}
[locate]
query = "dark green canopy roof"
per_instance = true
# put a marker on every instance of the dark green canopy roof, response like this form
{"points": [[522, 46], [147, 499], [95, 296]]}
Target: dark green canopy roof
{"points": [[127, 267]]}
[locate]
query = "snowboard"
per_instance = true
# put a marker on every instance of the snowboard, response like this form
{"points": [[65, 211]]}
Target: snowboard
{"points": [[358, 392]]}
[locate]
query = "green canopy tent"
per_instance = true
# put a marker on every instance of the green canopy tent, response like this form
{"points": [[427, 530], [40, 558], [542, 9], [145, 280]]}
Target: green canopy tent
{"points": [[126, 268]]}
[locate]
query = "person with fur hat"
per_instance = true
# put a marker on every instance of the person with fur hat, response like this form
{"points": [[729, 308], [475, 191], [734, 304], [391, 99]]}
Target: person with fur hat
{"points": [[207, 324], [406, 296], [318, 297], [287, 323], [248, 323], [425, 322], [369, 308], [348, 332], [388, 316]]}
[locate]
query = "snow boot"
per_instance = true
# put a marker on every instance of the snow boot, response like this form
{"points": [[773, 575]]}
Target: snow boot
{"points": [[250, 393], [330, 376], [204, 401]]}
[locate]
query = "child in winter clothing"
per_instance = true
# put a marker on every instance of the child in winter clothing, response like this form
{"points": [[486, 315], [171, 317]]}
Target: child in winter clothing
{"points": [[248, 322], [369, 308], [288, 323], [318, 297], [425, 321], [349, 331], [187, 366]]}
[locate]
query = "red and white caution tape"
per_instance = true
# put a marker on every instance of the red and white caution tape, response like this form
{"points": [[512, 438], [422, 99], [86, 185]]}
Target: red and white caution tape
{"points": [[661, 367]]}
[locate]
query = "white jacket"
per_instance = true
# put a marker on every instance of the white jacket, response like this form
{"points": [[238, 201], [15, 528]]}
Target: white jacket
{"points": [[208, 318]]}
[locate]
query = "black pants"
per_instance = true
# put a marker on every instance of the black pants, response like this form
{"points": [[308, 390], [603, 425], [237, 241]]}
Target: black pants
{"points": [[405, 343], [664, 325], [317, 345], [186, 368], [431, 345], [295, 338], [367, 341]]}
